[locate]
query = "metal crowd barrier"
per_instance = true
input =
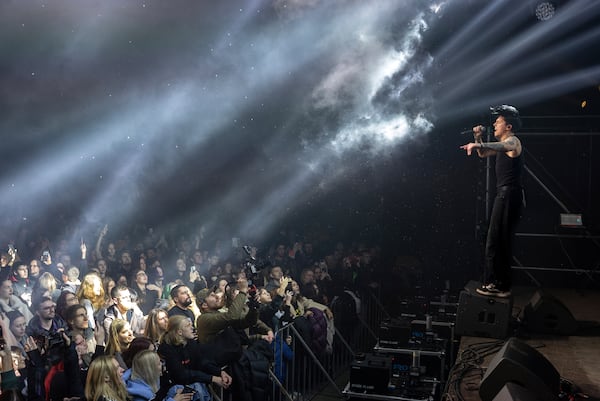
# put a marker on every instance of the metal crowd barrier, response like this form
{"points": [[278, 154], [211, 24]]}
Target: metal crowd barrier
{"points": [[300, 373]]}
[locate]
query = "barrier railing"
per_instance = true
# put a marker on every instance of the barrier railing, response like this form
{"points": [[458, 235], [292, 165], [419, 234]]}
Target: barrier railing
{"points": [[299, 372]]}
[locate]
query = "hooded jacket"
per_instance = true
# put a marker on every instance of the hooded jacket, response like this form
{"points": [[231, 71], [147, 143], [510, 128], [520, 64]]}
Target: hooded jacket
{"points": [[138, 389]]}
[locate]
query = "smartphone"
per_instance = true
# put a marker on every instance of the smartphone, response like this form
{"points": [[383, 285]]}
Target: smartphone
{"points": [[187, 390], [2, 341], [193, 269]]}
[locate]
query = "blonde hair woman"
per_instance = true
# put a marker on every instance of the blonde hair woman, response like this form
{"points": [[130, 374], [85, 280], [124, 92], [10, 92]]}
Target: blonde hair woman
{"points": [[46, 286], [144, 380], [177, 345], [91, 296], [120, 336], [104, 382]]}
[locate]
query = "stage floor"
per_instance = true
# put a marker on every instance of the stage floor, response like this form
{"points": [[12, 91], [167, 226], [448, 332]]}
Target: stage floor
{"points": [[575, 357]]}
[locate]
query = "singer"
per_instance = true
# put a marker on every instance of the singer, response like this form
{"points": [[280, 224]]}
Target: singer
{"points": [[509, 200]]}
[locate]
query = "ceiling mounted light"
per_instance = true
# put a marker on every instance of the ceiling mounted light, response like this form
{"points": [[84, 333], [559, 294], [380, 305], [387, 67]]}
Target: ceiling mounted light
{"points": [[544, 10]]}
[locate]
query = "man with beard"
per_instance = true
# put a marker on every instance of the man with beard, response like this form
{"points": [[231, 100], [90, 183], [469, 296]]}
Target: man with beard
{"points": [[182, 298], [211, 322], [46, 322], [125, 266], [225, 335]]}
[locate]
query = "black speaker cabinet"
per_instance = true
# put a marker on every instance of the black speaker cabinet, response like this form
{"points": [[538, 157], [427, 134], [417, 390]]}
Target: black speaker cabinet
{"points": [[514, 392], [370, 373], [519, 363], [482, 316], [546, 314]]}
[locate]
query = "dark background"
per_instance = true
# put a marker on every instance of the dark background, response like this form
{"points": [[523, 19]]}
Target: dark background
{"points": [[337, 118]]}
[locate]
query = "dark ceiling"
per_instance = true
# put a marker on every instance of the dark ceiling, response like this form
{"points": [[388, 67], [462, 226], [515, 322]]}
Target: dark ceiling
{"points": [[246, 117]]}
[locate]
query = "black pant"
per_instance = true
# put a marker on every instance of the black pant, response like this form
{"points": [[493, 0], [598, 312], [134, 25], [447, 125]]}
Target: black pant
{"points": [[498, 249]]}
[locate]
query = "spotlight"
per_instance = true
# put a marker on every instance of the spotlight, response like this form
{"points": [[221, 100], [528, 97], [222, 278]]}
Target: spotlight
{"points": [[544, 10]]}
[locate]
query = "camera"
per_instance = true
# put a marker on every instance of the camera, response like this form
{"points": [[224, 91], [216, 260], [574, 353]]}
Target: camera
{"points": [[250, 294], [250, 260], [53, 345], [55, 340], [252, 265], [252, 291], [252, 301]]}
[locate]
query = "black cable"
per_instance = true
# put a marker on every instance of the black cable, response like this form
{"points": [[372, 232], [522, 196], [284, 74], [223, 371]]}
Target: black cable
{"points": [[468, 365]]}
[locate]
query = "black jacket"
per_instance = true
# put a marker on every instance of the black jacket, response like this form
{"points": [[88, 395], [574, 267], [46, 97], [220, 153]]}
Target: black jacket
{"points": [[251, 373], [188, 363]]}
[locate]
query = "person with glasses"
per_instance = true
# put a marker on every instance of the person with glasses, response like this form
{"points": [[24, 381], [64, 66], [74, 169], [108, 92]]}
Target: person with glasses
{"points": [[45, 323], [148, 293], [124, 308]]}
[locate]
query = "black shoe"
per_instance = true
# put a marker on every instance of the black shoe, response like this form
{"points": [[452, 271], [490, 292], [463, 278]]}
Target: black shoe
{"points": [[491, 290]]}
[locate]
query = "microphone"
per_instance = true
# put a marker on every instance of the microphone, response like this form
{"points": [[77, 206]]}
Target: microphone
{"points": [[483, 129]]}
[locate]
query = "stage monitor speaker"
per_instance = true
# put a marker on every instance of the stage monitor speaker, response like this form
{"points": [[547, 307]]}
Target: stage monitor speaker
{"points": [[546, 314], [519, 363], [481, 316], [513, 392]]}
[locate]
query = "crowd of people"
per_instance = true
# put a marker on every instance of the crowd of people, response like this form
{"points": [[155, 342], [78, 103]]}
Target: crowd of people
{"points": [[160, 320]]}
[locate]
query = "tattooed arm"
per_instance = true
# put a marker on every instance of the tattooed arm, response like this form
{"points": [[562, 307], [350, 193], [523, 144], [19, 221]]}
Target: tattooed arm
{"points": [[485, 149]]}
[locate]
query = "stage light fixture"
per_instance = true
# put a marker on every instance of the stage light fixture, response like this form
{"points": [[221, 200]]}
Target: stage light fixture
{"points": [[545, 10]]}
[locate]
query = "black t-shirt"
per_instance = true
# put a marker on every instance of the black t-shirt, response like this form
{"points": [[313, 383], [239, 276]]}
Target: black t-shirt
{"points": [[176, 310], [146, 300]]}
